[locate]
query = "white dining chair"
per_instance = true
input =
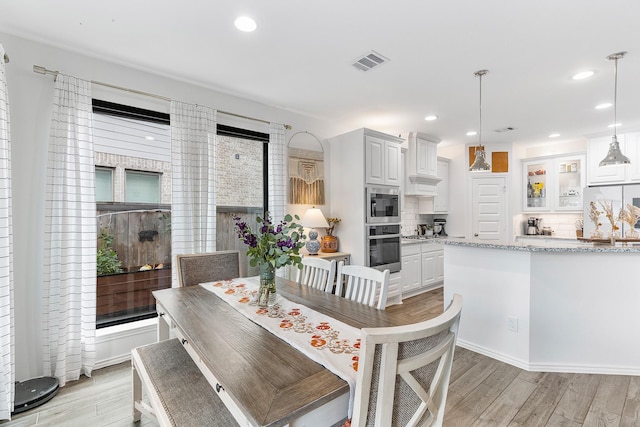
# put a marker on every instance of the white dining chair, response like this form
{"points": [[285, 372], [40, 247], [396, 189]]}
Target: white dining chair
{"points": [[404, 371], [317, 273], [207, 267], [362, 284]]}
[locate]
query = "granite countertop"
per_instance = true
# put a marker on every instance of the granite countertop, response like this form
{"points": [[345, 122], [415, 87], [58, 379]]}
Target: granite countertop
{"points": [[555, 247], [547, 244]]}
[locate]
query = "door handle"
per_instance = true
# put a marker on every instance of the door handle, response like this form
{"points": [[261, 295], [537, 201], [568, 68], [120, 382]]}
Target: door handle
{"points": [[475, 235]]}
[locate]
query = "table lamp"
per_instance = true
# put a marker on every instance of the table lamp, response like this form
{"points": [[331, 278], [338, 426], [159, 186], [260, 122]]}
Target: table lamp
{"points": [[313, 219]]}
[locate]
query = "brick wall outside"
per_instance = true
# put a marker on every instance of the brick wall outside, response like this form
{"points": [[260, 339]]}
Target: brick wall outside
{"points": [[239, 181], [120, 164]]}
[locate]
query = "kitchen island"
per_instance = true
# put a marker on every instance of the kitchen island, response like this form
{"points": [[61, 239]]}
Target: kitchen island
{"points": [[552, 307]]}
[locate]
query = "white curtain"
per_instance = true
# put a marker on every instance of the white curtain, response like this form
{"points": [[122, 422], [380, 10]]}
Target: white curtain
{"points": [[7, 361], [193, 204], [277, 166], [277, 171], [69, 288]]}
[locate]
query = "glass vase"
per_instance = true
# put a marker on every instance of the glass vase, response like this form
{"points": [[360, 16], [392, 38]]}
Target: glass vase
{"points": [[267, 290]]}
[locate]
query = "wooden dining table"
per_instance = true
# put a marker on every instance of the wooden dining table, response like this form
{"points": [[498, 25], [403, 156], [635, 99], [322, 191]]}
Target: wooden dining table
{"points": [[261, 379]]}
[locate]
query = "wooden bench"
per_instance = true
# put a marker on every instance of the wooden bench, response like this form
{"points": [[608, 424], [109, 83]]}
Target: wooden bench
{"points": [[178, 393]]}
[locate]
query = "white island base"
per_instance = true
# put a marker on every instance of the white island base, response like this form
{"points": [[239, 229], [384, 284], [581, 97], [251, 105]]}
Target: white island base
{"points": [[553, 311]]}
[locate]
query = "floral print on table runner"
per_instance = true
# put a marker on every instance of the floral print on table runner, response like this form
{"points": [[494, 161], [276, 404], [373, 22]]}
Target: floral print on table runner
{"points": [[324, 334]]}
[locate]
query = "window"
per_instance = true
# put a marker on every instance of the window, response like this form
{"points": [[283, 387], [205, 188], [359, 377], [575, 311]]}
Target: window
{"points": [[142, 187], [241, 185], [133, 211], [104, 185]]}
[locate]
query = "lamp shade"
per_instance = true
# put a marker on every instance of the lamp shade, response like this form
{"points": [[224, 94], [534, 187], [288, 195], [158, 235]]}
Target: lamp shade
{"points": [[314, 218]]}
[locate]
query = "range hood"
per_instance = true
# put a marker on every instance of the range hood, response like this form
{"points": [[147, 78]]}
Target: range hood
{"points": [[422, 185], [424, 179]]}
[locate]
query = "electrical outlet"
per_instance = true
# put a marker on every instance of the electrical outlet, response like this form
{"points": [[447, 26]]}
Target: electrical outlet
{"points": [[512, 323]]}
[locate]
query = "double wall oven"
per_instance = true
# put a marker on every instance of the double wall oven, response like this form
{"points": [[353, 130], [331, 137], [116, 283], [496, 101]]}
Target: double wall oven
{"points": [[383, 228]]}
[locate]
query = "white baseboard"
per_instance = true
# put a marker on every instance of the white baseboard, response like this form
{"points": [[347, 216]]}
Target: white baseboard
{"points": [[550, 367], [114, 344], [492, 354]]}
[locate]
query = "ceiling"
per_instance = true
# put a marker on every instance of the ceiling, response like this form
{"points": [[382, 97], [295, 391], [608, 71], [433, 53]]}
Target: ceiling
{"points": [[300, 58]]}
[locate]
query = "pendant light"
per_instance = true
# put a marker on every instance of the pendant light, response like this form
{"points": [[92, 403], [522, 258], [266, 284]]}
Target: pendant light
{"points": [[615, 156], [480, 163]]}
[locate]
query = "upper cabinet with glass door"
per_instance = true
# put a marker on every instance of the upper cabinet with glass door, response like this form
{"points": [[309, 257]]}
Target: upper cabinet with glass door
{"points": [[571, 179], [536, 190], [554, 183]]}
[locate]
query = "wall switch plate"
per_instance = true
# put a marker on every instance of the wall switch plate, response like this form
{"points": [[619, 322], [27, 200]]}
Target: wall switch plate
{"points": [[512, 323]]}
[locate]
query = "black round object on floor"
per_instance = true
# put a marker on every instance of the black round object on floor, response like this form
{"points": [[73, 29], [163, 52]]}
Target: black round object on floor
{"points": [[34, 392]]}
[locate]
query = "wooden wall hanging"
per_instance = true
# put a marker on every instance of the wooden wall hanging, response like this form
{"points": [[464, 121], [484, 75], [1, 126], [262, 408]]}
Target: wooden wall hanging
{"points": [[306, 174]]}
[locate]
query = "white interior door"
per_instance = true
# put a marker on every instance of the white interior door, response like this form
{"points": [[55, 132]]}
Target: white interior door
{"points": [[489, 209]]}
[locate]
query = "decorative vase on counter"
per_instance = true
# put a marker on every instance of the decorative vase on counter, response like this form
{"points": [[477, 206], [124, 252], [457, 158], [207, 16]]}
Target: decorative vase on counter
{"points": [[329, 244], [267, 290]]}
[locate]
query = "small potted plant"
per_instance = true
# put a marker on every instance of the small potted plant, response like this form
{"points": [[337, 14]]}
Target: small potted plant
{"points": [[329, 242]]}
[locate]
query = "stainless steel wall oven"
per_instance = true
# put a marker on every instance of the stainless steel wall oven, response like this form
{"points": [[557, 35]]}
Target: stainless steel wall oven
{"points": [[383, 247]]}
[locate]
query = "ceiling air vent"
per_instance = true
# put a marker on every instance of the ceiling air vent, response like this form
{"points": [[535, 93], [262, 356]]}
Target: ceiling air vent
{"points": [[369, 61], [507, 129]]}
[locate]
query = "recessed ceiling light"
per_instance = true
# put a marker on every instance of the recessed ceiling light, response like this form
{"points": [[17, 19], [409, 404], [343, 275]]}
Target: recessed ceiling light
{"points": [[603, 106], [471, 133], [615, 125], [246, 24], [582, 75], [554, 135], [430, 118], [149, 138]]}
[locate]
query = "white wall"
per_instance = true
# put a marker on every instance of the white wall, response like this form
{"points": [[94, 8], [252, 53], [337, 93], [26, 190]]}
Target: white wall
{"points": [[457, 218], [30, 99]]}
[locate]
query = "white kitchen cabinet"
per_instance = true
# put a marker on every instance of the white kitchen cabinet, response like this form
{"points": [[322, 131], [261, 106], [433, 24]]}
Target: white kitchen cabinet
{"points": [[536, 190], [429, 268], [411, 268], [553, 183], [597, 150], [394, 291], [382, 164], [350, 169], [632, 150], [441, 199], [439, 203], [421, 165], [440, 266], [569, 182], [422, 267], [423, 152]]}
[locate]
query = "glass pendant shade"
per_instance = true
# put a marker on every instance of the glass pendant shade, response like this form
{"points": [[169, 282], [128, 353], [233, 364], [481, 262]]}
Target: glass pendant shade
{"points": [[615, 156], [480, 163]]}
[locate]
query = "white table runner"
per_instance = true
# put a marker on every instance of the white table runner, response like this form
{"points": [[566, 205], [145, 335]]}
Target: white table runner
{"points": [[327, 341]]}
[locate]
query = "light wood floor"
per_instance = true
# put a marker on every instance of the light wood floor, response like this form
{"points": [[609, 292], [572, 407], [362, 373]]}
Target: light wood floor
{"points": [[482, 392]]}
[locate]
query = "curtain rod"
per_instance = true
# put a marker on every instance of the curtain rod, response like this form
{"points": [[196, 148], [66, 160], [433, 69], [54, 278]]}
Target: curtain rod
{"points": [[42, 70]]}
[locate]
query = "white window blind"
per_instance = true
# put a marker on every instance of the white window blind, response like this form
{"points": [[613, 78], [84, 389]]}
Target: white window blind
{"points": [[104, 185], [142, 187]]}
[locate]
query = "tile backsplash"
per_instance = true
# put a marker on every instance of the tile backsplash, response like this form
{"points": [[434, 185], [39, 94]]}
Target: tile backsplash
{"points": [[410, 218], [562, 224]]}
